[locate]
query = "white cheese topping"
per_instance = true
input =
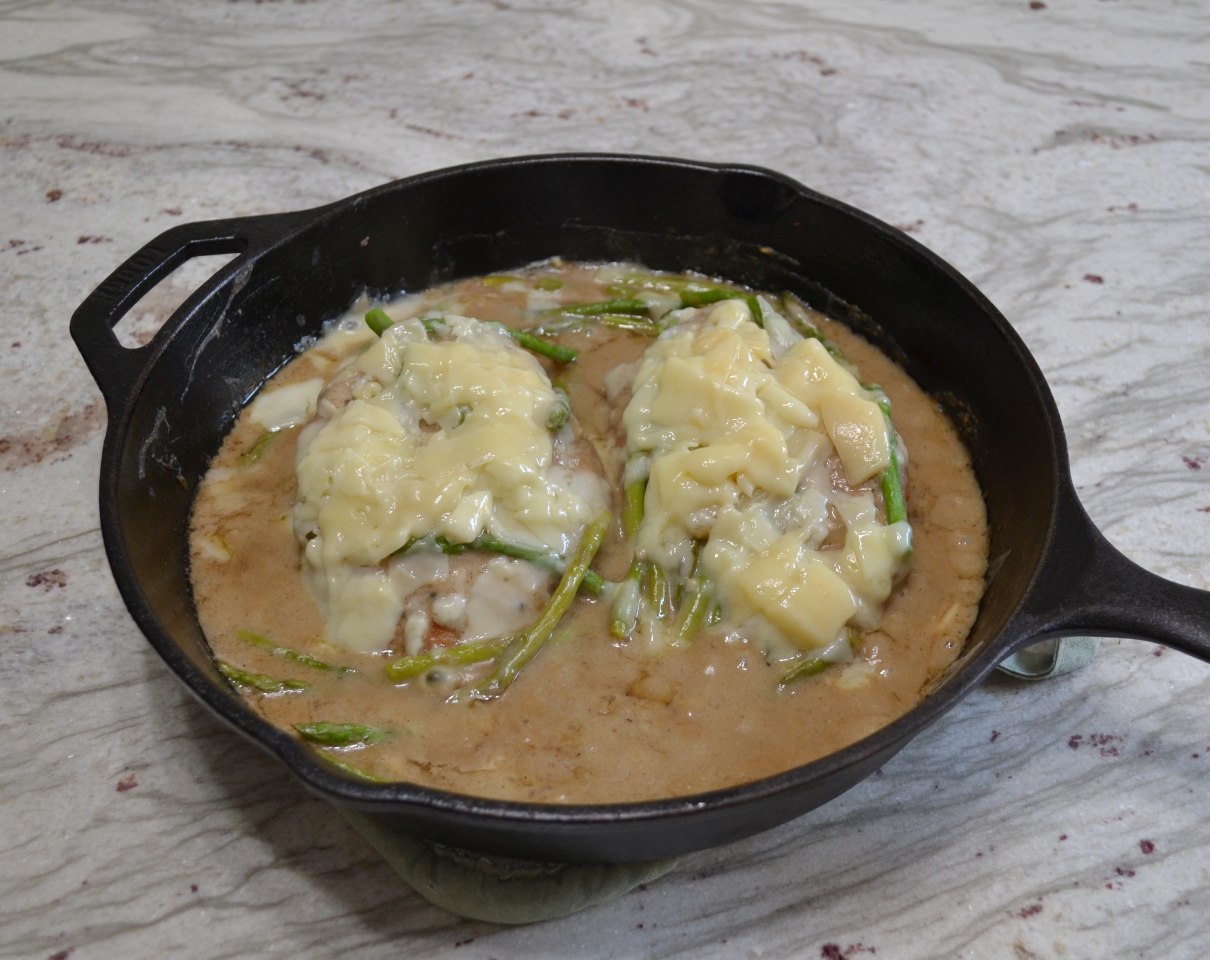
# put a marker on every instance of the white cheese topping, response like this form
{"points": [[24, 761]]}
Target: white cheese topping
{"points": [[443, 437], [286, 406], [735, 442]]}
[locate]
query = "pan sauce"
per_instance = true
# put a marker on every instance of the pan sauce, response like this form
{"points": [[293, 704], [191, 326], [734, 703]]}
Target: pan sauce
{"points": [[591, 719]]}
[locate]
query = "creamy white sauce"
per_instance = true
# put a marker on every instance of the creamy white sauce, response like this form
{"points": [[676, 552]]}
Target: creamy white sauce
{"points": [[505, 598]]}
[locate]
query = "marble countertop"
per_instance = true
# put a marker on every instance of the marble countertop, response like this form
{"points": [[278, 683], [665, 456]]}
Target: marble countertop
{"points": [[1056, 153]]}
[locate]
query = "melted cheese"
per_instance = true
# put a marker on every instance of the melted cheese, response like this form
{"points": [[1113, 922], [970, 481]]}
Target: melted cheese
{"points": [[454, 443], [735, 442], [286, 406]]}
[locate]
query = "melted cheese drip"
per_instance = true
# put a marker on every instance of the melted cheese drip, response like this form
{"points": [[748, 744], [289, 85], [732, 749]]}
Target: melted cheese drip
{"points": [[445, 438], [737, 441]]}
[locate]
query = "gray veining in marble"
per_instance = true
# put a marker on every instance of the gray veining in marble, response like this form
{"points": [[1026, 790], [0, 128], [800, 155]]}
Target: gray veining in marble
{"points": [[1058, 156]]}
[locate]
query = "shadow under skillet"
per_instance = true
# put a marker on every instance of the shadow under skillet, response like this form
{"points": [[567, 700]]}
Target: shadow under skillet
{"points": [[822, 861], [306, 836], [323, 844]]}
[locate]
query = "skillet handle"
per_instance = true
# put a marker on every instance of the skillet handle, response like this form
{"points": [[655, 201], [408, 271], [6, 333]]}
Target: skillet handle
{"points": [[116, 368], [1087, 586]]}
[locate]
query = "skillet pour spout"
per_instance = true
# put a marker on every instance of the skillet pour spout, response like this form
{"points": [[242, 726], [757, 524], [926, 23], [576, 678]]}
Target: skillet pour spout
{"points": [[170, 403]]}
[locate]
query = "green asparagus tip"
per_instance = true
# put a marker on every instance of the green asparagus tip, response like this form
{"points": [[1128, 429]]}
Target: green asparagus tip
{"points": [[378, 321], [560, 411], [328, 734], [351, 769]]}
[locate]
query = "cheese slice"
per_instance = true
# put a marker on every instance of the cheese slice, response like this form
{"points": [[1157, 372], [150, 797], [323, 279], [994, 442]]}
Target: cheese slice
{"points": [[455, 443], [859, 433], [735, 443]]}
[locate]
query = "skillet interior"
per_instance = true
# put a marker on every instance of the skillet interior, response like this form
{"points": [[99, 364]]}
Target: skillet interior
{"points": [[745, 224]]}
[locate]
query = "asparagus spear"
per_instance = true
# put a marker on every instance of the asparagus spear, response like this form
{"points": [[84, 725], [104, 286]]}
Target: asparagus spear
{"points": [[453, 549], [626, 322], [526, 646], [258, 681], [798, 318], [560, 412], [555, 351], [810, 666], [892, 482], [287, 654], [892, 490], [796, 315], [412, 541], [459, 655], [659, 596], [619, 321], [378, 321], [257, 450], [625, 612], [353, 771], [702, 298], [433, 326], [548, 283], [695, 612], [632, 511], [623, 305], [499, 280], [624, 282], [804, 669], [328, 734], [593, 582]]}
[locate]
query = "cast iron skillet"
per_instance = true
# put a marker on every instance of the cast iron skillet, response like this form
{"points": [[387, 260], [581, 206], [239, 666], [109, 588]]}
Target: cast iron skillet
{"points": [[1052, 573]]}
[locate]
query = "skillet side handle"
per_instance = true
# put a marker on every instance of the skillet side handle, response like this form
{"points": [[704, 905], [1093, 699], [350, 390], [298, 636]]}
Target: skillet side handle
{"points": [[1087, 586], [116, 368]]}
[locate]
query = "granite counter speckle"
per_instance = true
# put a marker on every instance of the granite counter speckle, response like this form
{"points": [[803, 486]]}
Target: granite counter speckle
{"points": [[1056, 153]]}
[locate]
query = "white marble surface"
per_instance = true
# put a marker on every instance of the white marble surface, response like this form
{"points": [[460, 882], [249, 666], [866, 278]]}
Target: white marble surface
{"points": [[1057, 156]]}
